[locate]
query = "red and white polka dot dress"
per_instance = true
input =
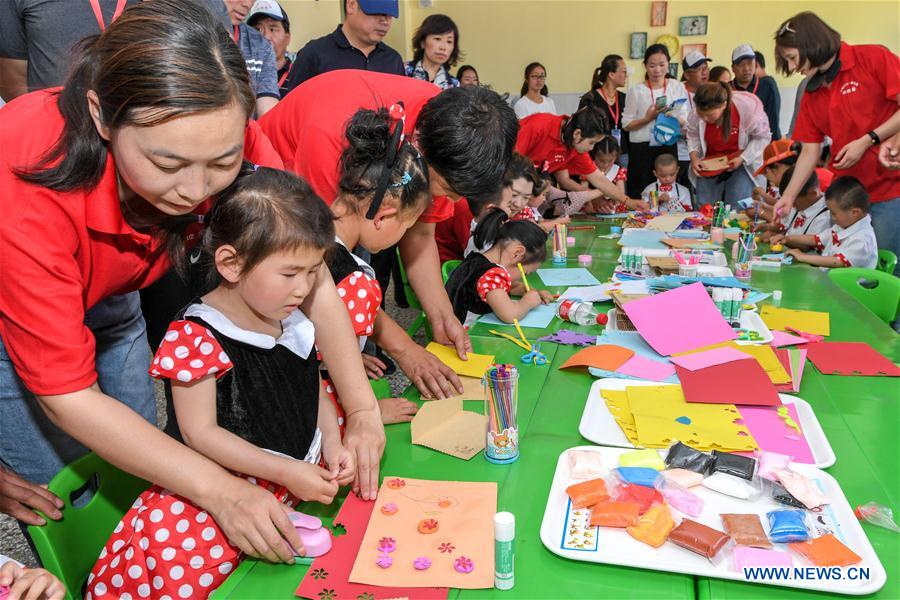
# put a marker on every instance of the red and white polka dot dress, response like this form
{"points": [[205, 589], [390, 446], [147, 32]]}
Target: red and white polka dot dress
{"points": [[362, 297], [527, 214], [496, 278], [189, 352]]}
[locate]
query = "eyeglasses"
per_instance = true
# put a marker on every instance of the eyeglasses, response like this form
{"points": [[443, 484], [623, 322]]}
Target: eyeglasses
{"points": [[537, 77], [784, 29]]}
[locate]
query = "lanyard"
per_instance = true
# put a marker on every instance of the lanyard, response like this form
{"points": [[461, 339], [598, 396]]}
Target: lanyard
{"points": [[664, 91], [236, 35], [285, 76], [615, 104], [95, 5]]}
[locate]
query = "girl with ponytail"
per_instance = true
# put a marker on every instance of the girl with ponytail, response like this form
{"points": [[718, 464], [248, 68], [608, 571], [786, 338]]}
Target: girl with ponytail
{"points": [[101, 180], [383, 190], [483, 281], [732, 125]]}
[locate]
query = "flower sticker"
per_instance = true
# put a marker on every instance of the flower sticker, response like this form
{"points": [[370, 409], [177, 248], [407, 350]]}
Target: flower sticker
{"points": [[463, 565], [396, 483], [447, 548]]}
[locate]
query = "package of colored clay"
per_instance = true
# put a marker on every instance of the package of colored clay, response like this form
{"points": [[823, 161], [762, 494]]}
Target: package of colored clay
{"points": [[780, 495], [682, 456], [734, 464], [584, 464], [587, 493], [826, 551], [615, 514], [679, 498], [802, 488], [701, 539], [746, 530], [637, 475], [732, 486], [647, 458], [654, 526], [644, 496], [683, 477], [769, 462], [787, 525]]}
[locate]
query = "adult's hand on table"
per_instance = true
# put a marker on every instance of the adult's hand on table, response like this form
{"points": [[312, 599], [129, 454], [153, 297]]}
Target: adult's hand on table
{"points": [[364, 436], [433, 378], [447, 330], [20, 499]]}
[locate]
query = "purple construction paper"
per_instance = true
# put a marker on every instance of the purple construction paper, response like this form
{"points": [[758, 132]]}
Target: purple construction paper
{"points": [[564, 336]]}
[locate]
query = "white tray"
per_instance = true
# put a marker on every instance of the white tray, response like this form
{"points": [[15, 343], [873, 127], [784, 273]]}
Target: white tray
{"points": [[614, 546], [599, 426], [752, 321]]}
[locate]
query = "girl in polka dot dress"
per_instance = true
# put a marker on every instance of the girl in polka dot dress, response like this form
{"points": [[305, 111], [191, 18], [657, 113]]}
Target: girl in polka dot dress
{"points": [[245, 386], [383, 191], [483, 281]]}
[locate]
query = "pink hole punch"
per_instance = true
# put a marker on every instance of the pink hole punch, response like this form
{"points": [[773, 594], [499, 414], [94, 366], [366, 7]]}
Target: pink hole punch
{"points": [[316, 539]]}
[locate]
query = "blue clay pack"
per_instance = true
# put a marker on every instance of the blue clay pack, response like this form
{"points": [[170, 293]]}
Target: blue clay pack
{"points": [[638, 475], [787, 526]]}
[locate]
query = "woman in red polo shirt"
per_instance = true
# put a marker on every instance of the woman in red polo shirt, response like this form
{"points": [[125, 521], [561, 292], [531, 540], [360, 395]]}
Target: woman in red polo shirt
{"points": [[100, 180], [558, 145], [852, 97]]}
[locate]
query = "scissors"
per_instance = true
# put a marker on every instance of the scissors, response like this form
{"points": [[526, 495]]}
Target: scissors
{"points": [[535, 357]]}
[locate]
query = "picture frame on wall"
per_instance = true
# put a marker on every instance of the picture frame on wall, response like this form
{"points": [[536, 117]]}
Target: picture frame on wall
{"points": [[688, 48], [673, 69], [658, 12], [696, 25], [638, 44]]}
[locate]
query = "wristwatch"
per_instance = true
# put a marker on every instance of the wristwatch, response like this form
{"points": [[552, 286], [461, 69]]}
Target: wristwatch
{"points": [[874, 137]]}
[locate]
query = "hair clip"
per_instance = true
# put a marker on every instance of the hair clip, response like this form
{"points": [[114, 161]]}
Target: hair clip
{"points": [[784, 29], [255, 168]]}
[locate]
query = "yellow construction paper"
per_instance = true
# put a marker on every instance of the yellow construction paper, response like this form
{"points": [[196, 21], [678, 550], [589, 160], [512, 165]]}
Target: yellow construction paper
{"points": [[763, 354], [804, 320], [617, 403], [711, 426], [474, 367]]}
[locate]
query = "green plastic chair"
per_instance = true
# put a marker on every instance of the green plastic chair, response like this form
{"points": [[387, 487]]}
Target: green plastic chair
{"points": [[68, 548], [414, 303], [877, 291], [887, 261], [447, 268]]}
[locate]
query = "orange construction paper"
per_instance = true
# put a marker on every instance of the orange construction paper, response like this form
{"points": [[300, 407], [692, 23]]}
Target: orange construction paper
{"points": [[654, 526], [605, 356], [464, 512], [587, 493]]}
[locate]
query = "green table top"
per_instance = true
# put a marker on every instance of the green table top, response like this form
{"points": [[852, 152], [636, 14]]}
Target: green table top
{"points": [[859, 415]]}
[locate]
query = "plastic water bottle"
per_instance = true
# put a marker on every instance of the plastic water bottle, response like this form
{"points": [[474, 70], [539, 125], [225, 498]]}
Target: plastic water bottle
{"points": [[576, 311]]}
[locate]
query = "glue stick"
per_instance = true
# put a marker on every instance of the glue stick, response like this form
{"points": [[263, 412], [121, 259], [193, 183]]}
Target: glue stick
{"points": [[717, 300], [737, 297], [504, 550]]}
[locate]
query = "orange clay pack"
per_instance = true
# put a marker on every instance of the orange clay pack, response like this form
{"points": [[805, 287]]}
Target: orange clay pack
{"points": [[826, 551], [615, 514], [587, 493], [654, 526]]}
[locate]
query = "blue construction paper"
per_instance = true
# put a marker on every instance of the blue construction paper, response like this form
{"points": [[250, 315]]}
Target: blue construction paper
{"points": [[690, 234], [567, 277], [633, 341], [755, 297], [642, 238], [538, 317], [676, 281]]}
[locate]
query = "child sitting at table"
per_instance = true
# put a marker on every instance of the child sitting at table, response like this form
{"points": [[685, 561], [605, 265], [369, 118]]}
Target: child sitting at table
{"points": [[242, 367], [482, 282], [605, 154], [851, 241], [778, 157], [810, 214], [671, 195]]}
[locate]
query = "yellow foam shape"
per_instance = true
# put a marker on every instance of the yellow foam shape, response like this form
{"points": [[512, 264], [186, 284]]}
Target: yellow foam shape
{"points": [[809, 321], [764, 355], [617, 402]]}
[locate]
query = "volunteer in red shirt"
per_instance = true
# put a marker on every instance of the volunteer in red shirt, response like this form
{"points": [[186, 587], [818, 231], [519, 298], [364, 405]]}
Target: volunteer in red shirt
{"points": [[852, 97], [100, 180], [558, 145], [466, 135]]}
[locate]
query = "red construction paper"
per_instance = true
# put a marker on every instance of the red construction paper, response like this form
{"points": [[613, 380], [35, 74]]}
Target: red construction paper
{"points": [[850, 358], [785, 359], [736, 382], [328, 576]]}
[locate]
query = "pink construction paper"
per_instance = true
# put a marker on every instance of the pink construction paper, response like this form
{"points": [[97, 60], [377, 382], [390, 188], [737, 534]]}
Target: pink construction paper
{"points": [[770, 432], [679, 320], [709, 358], [744, 556], [644, 368], [780, 338]]}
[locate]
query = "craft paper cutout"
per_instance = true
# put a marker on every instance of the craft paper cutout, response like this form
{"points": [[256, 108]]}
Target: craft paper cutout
{"points": [[667, 223], [444, 426], [709, 358], [780, 338], [474, 367], [574, 338], [472, 389], [645, 368], [809, 321], [617, 402], [737, 382], [566, 277], [464, 512], [764, 355], [663, 264], [329, 575], [655, 410], [774, 435], [679, 320], [850, 358], [607, 357], [633, 341], [538, 317]]}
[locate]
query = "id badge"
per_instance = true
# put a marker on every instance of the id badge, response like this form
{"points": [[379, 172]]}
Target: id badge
{"points": [[617, 135]]}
